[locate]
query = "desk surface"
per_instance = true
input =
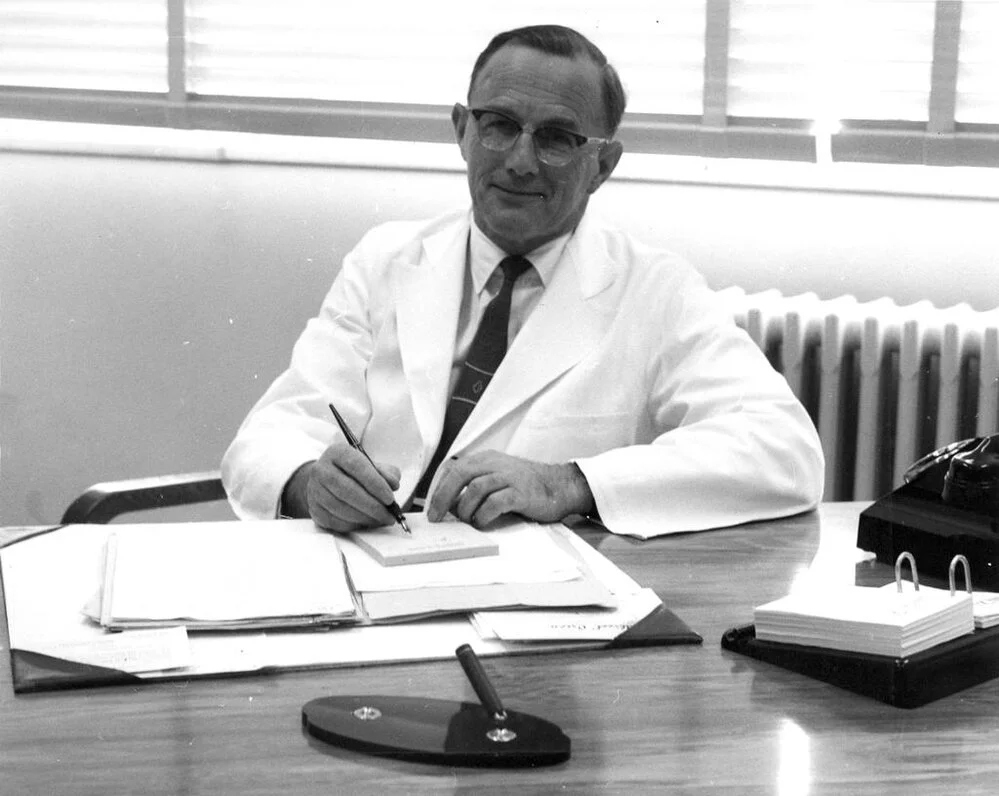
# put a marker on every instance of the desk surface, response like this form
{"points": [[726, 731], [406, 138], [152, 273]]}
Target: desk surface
{"points": [[697, 719]]}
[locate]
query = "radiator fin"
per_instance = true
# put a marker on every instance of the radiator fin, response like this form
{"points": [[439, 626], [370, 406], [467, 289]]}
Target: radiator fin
{"points": [[884, 383]]}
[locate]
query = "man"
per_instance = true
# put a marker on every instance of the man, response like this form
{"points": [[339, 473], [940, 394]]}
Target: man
{"points": [[626, 392]]}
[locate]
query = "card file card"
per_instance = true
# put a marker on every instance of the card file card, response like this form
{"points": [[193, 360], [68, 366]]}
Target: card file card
{"points": [[903, 646], [859, 619]]}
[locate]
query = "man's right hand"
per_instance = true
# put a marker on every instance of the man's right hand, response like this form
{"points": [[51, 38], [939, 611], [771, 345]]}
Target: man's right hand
{"points": [[341, 491]]}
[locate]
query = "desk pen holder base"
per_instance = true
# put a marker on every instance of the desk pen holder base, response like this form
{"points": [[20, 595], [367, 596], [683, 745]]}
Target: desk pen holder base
{"points": [[435, 731]]}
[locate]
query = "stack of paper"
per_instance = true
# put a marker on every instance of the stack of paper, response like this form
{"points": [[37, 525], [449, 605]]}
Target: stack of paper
{"points": [[535, 566], [877, 621], [224, 576], [287, 574], [986, 605]]}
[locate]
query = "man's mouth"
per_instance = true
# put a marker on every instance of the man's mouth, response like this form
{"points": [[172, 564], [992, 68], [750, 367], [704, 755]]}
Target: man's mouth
{"points": [[518, 192]]}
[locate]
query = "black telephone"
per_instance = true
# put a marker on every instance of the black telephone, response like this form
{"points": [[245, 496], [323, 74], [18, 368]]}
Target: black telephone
{"points": [[948, 505]]}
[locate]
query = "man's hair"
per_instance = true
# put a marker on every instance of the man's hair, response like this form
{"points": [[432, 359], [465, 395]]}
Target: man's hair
{"points": [[566, 43]]}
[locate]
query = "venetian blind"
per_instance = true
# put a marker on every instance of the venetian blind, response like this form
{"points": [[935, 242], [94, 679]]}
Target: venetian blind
{"points": [[422, 53], [118, 45], [831, 60]]}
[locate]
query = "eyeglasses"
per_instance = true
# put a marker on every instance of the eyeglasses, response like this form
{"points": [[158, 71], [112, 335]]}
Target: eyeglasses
{"points": [[553, 145]]}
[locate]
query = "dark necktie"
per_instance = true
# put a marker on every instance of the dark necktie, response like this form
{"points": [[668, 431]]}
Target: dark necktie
{"points": [[484, 357]]}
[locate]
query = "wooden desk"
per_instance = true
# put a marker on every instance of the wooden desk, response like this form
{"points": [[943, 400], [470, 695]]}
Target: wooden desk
{"points": [[694, 719]]}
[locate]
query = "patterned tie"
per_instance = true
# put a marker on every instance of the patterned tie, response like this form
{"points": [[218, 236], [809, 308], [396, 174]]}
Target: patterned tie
{"points": [[484, 357]]}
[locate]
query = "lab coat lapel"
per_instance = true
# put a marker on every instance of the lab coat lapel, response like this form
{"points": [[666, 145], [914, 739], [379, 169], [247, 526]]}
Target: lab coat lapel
{"points": [[428, 297], [566, 324]]}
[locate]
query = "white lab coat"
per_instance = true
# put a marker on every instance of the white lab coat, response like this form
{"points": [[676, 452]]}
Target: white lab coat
{"points": [[628, 365]]}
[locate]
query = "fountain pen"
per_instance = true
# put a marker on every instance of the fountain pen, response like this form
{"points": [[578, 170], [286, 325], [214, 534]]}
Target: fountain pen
{"points": [[353, 442]]}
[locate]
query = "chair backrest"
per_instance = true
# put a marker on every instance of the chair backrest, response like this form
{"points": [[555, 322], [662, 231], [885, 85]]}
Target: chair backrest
{"points": [[105, 501]]}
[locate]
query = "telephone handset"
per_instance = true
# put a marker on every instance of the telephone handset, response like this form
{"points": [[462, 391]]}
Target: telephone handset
{"points": [[948, 505], [971, 480]]}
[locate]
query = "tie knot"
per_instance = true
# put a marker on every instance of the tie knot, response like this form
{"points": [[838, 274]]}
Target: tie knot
{"points": [[513, 267]]}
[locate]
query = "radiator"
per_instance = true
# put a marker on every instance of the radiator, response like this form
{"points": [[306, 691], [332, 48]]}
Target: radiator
{"points": [[884, 383]]}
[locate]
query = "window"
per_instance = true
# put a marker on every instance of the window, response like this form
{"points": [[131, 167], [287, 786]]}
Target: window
{"points": [[910, 81]]}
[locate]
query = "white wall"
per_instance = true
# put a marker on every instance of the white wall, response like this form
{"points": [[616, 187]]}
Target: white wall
{"points": [[146, 304]]}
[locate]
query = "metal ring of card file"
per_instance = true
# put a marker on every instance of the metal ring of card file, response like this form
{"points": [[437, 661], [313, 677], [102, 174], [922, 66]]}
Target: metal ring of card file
{"points": [[959, 559], [902, 558]]}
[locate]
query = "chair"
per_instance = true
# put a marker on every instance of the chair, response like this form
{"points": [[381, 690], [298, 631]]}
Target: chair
{"points": [[105, 501]]}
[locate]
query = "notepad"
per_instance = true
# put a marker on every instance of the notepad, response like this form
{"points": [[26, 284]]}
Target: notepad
{"points": [[224, 576], [429, 542], [878, 621]]}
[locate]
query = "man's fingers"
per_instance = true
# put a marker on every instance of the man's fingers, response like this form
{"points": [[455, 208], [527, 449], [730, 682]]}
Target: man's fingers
{"points": [[339, 495], [374, 481], [475, 493], [454, 475], [391, 474], [495, 505]]}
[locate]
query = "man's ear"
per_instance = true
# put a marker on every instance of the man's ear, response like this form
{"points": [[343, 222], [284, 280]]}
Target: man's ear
{"points": [[459, 120], [610, 153]]}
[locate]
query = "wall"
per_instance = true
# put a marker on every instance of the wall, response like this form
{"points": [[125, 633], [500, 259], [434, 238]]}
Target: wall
{"points": [[146, 304]]}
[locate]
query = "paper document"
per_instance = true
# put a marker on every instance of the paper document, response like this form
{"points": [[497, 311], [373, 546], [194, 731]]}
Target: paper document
{"points": [[224, 575], [133, 651], [581, 624]]}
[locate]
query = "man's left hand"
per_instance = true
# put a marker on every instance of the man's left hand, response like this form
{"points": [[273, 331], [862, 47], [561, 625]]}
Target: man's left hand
{"points": [[481, 487]]}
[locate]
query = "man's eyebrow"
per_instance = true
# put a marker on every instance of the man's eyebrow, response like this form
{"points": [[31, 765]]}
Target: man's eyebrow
{"points": [[562, 122]]}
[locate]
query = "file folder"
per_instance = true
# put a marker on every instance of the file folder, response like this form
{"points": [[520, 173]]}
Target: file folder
{"points": [[269, 652]]}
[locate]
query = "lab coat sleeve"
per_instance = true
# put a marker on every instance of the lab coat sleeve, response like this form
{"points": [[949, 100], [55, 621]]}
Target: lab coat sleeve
{"points": [[292, 424], [734, 444]]}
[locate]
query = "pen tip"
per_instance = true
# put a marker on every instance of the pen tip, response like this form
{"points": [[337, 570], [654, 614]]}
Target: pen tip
{"points": [[405, 526]]}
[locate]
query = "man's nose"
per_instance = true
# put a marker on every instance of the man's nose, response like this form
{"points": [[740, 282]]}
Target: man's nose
{"points": [[522, 158]]}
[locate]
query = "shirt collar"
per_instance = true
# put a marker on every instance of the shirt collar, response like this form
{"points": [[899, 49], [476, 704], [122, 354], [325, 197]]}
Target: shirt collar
{"points": [[486, 255]]}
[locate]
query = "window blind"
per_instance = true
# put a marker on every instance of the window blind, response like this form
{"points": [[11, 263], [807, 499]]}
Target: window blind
{"points": [[422, 53], [978, 70], [883, 80], [74, 44], [831, 60]]}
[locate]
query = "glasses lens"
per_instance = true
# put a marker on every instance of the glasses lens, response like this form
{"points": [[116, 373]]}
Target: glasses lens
{"points": [[554, 146], [497, 132]]}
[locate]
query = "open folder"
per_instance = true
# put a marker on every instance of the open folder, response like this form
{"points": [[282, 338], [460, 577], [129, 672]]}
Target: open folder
{"points": [[49, 578]]}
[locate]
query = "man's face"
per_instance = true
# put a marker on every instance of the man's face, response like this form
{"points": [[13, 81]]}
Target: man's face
{"points": [[519, 202]]}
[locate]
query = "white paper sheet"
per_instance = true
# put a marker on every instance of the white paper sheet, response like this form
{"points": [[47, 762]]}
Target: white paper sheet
{"points": [[527, 554], [567, 625]]}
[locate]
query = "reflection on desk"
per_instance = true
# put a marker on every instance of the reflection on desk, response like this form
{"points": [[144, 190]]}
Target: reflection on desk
{"points": [[697, 719]]}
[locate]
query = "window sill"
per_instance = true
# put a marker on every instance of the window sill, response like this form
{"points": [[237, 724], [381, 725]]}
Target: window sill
{"points": [[17, 135]]}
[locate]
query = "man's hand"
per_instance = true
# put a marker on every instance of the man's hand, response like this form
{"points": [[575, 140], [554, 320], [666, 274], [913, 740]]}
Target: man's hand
{"points": [[481, 487], [341, 491]]}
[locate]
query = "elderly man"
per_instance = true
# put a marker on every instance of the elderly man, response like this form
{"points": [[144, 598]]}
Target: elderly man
{"points": [[523, 357]]}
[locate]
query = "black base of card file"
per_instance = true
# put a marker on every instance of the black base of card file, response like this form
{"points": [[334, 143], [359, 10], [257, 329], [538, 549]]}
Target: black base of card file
{"points": [[902, 682]]}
